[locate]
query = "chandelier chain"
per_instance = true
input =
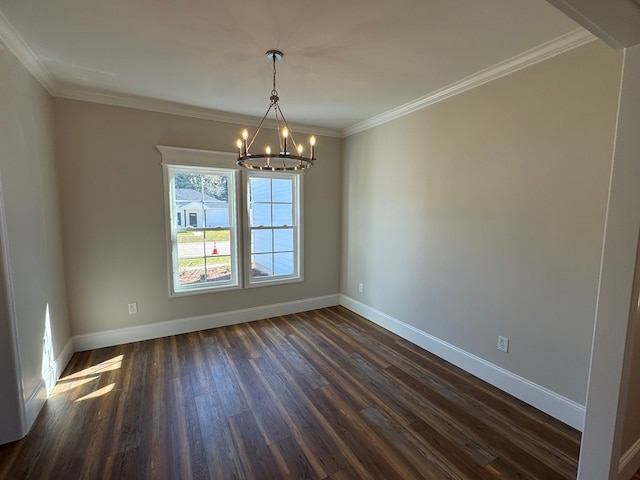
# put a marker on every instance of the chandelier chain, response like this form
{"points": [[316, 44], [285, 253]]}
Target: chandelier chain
{"points": [[274, 91]]}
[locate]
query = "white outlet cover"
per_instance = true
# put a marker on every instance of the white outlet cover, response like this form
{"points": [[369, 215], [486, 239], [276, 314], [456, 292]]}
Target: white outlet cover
{"points": [[503, 344]]}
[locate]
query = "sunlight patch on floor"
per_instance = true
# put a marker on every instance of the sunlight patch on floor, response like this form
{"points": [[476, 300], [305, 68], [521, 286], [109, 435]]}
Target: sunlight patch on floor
{"points": [[108, 365], [65, 386], [88, 375], [98, 393]]}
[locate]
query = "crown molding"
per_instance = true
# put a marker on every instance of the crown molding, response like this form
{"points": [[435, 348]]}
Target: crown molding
{"points": [[175, 108], [564, 43], [16, 45]]}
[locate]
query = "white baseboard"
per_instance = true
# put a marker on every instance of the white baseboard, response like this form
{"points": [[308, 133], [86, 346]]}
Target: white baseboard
{"points": [[38, 397], [629, 462], [33, 405], [543, 399], [63, 359], [120, 336]]}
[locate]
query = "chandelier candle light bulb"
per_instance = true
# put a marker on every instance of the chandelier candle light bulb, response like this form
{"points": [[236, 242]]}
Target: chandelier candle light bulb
{"points": [[245, 136], [279, 160], [285, 134]]}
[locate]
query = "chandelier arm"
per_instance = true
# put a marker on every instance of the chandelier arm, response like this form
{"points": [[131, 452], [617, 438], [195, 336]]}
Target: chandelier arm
{"points": [[286, 124], [260, 126], [280, 139]]}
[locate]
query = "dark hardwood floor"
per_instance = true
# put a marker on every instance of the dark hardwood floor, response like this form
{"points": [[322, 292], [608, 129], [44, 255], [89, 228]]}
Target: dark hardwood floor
{"points": [[318, 395]]}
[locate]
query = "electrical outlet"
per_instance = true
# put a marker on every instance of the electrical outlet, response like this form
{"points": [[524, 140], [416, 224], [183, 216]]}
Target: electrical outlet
{"points": [[360, 287], [503, 344], [133, 308]]}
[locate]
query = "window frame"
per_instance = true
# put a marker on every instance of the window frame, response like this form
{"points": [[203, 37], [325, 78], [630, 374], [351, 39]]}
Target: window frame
{"points": [[188, 158]]}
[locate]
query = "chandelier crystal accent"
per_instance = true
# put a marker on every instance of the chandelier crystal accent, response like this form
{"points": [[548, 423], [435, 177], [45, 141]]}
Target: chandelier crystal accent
{"points": [[282, 159]]}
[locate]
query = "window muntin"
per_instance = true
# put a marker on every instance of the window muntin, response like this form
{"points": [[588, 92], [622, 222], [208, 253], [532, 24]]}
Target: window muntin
{"points": [[204, 251], [273, 210]]}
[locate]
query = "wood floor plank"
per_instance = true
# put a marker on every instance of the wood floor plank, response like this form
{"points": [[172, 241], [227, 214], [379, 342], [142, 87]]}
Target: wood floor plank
{"points": [[269, 421], [443, 456], [226, 383], [317, 446], [222, 458], [375, 458], [291, 460], [294, 361], [257, 460], [495, 440], [322, 395], [125, 434]]}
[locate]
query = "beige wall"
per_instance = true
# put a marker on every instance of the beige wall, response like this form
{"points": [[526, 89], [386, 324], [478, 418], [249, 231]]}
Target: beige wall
{"points": [[31, 241], [114, 217], [483, 215]]}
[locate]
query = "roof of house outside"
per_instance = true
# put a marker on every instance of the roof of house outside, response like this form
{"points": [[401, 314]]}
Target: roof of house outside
{"points": [[187, 196]]}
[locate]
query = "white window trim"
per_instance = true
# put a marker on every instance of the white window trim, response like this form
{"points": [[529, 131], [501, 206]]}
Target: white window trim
{"points": [[191, 157], [298, 238]]}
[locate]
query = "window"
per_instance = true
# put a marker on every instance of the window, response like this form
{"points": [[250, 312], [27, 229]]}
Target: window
{"points": [[204, 252], [220, 219], [272, 228]]}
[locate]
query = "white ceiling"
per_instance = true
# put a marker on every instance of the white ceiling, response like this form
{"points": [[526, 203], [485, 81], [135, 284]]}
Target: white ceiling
{"points": [[345, 61]]}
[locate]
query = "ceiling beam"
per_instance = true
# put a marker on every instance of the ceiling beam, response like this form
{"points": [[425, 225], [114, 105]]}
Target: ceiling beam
{"points": [[616, 22]]}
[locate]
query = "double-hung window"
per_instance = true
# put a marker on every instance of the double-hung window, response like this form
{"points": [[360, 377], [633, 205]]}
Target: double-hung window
{"points": [[273, 227], [226, 227], [204, 248]]}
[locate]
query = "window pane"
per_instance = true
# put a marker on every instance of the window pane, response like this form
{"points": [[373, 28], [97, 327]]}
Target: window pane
{"points": [[260, 189], [192, 270], [261, 214], [282, 190], [283, 263], [217, 242], [190, 245], [262, 265], [201, 199], [282, 214], [283, 240], [262, 241], [219, 269], [217, 214]]}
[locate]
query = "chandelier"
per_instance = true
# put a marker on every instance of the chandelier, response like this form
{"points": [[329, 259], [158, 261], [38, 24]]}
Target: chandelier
{"points": [[282, 159]]}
